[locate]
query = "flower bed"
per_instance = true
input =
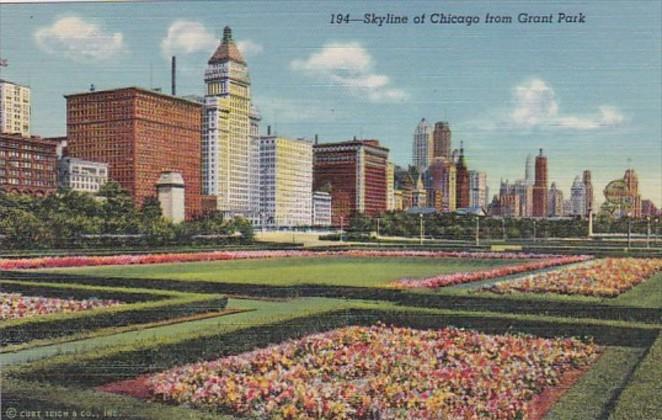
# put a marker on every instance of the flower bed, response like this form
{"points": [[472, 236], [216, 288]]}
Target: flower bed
{"points": [[80, 261], [607, 277], [379, 372], [468, 277], [15, 305]]}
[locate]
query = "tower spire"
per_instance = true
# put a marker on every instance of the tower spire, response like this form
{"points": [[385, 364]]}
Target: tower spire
{"points": [[227, 34]]}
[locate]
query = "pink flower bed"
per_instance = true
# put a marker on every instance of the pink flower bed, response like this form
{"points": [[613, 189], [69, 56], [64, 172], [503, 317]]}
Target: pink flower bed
{"points": [[15, 305], [380, 372], [608, 277], [493, 273], [80, 261]]}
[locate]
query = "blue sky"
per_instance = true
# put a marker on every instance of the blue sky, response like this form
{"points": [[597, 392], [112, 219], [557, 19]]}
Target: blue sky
{"points": [[589, 94]]}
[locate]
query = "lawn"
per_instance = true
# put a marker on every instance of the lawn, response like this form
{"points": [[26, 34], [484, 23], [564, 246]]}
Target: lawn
{"points": [[337, 271]]}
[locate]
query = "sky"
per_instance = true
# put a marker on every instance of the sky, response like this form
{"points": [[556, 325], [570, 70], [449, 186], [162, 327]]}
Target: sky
{"points": [[589, 94]]}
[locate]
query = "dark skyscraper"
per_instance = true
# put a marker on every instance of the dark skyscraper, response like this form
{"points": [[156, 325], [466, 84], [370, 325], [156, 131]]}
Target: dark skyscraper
{"points": [[588, 185], [540, 187], [441, 140], [462, 188]]}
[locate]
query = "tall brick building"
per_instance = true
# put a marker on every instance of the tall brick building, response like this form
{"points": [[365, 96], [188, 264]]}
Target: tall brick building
{"points": [[462, 188], [355, 173], [441, 140], [140, 134], [27, 165], [540, 187]]}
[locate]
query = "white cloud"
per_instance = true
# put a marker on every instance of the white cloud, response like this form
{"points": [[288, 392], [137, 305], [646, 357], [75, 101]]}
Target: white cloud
{"points": [[79, 40], [536, 106], [187, 36], [350, 66], [249, 48]]}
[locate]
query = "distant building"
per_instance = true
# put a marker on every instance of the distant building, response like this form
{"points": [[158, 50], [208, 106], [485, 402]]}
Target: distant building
{"points": [[286, 181], [524, 191], [462, 182], [478, 189], [390, 186], [554, 201], [509, 205], [441, 184], [540, 187], [588, 186], [529, 173], [170, 193], [422, 146], [648, 209], [419, 194], [254, 166], [140, 134], [633, 198], [578, 198], [567, 207], [321, 209], [355, 173], [81, 175], [15, 108], [441, 140], [27, 165]]}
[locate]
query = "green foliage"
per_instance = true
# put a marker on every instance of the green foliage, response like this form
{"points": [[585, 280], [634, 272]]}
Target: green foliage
{"points": [[72, 219]]}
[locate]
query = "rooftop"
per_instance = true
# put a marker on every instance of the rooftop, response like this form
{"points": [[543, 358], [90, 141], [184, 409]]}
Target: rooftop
{"points": [[139, 89]]}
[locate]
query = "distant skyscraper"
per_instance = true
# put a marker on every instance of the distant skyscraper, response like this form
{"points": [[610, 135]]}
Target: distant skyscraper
{"points": [[554, 201], [390, 186], [477, 189], [15, 108], [632, 190], [578, 197], [588, 186], [540, 187], [529, 174], [422, 146], [462, 188], [441, 140], [440, 183], [226, 151]]}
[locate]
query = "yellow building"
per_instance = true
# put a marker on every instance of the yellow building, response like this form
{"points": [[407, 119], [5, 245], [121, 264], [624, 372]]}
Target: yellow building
{"points": [[226, 151], [286, 181], [390, 186], [15, 103]]}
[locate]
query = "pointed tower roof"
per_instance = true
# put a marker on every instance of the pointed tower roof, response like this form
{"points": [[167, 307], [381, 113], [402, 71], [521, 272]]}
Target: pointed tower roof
{"points": [[227, 50], [419, 183]]}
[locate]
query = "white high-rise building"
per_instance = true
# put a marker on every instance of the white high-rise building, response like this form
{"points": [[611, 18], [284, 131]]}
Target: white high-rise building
{"points": [[578, 197], [229, 124], [477, 189], [15, 108], [529, 172], [422, 146], [286, 182]]}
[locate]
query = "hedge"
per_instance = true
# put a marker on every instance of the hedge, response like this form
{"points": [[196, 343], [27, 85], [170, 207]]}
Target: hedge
{"points": [[57, 325], [75, 291], [473, 303], [93, 370]]}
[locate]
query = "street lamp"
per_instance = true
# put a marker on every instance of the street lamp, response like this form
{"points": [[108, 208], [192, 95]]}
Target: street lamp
{"points": [[534, 230], [420, 219], [477, 230], [648, 232], [629, 231], [378, 227], [341, 227], [503, 228]]}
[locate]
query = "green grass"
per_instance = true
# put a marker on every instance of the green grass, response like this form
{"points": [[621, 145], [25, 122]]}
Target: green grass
{"points": [[336, 271], [641, 398]]}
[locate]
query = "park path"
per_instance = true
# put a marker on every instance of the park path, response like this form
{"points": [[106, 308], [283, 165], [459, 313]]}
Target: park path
{"points": [[258, 312]]}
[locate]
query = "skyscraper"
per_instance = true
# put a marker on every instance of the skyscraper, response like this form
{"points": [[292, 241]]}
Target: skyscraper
{"points": [[633, 198], [422, 146], [578, 197], [540, 187], [15, 108], [554, 201], [227, 154], [441, 140], [286, 181], [477, 189], [355, 173], [462, 187], [588, 186], [529, 174], [140, 134], [440, 183]]}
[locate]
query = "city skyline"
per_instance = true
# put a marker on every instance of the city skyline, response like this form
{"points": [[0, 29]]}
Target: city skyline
{"points": [[589, 98]]}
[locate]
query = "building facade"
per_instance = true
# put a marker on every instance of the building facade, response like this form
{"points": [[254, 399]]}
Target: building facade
{"points": [[441, 184], [321, 209], [140, 134], [422, 146], [355, 173], [462, 179], [540, 187], [390, 186], [286, 182], [441, 140], [588, 186], [15, 108], [27, 165], [529, 172], [81, 175], [555, 202], [633, 198], [478, 189], [229, 127], [578, 198]]}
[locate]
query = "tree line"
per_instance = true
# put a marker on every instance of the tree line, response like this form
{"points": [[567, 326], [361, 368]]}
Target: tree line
{"points": [[72, 219]]}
